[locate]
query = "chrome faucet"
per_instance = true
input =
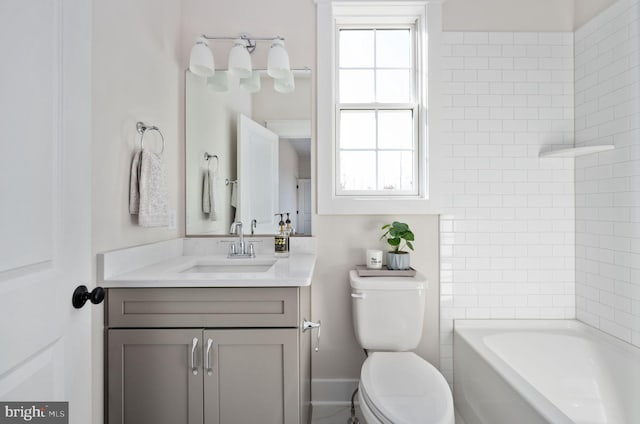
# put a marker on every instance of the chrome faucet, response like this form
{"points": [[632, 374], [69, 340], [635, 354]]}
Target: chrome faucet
{"points": [[241, 250]]}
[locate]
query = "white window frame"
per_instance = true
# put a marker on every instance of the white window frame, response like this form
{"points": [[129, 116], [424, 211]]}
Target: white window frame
{"points": [[423, 14], [413, 105]]}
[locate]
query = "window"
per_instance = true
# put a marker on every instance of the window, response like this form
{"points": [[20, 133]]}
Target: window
{"points": [[377, 112], [373, 91]]}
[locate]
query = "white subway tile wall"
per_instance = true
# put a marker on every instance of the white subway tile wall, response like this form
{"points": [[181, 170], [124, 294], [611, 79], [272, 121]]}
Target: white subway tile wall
{"points": [[508, 235], [607, 110]]}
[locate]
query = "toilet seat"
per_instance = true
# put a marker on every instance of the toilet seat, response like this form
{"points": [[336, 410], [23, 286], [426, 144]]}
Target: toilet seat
{"points": [[402, 388]]}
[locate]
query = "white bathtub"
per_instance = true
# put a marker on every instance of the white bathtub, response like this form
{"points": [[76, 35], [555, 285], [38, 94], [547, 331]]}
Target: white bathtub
{"points": [[543, 371]]}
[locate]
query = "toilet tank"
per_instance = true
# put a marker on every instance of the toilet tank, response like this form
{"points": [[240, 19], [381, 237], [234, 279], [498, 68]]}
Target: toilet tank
{"points": [[388, 312]]}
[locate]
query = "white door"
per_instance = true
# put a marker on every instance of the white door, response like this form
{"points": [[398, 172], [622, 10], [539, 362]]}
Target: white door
{"points": [[257, 176], [304, 206], [45, 162]]}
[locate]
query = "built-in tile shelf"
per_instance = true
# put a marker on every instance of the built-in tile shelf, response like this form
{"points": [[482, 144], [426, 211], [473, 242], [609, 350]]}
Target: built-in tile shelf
{"points": [[576, 151]]}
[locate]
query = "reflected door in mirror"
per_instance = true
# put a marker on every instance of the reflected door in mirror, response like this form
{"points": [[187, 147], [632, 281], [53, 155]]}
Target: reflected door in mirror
{"points": [[257, 175], [304, 207]]}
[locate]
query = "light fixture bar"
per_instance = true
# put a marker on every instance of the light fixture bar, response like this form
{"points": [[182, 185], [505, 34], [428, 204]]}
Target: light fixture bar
{"points": [[243, 36], [201, 62], [251, 41]]}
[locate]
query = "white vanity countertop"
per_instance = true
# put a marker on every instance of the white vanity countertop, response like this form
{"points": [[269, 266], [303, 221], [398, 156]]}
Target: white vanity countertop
{"points": [[294, 271], [165, 264]]}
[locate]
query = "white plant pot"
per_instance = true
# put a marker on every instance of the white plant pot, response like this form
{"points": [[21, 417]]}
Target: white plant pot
{"points": [[398, 261]]}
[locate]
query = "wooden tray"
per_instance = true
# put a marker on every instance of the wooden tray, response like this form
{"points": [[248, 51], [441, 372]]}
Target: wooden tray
{"points": [[363, 271]]}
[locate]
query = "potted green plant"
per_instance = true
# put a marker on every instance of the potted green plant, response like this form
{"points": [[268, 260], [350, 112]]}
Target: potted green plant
{"points": [[399, 236]]}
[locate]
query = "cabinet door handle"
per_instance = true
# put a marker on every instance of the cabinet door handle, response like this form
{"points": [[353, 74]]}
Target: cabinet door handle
{"points": [[194, 368], [207, 358]]}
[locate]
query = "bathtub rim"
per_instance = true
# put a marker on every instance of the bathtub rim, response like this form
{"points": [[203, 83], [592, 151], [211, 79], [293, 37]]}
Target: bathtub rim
{"points": [[546, 324], [520, 385]]}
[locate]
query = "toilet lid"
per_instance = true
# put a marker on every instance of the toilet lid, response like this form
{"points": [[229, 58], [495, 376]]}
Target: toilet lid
{"points": [[403, 388]]}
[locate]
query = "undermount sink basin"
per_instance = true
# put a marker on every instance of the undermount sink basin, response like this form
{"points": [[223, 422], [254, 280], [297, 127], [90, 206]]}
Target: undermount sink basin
{"points": [[231, 265]]}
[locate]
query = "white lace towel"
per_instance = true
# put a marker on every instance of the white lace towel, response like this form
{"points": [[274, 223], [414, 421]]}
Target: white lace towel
{"points": [[208, 195], [154, 210], [134, 187]]}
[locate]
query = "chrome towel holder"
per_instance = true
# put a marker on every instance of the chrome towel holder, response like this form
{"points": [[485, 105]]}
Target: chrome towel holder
{"points": [[142, 129], [208, 156]]}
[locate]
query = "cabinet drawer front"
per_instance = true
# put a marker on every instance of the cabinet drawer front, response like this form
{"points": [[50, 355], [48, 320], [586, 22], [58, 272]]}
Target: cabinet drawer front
{"points": [[203, 307]]}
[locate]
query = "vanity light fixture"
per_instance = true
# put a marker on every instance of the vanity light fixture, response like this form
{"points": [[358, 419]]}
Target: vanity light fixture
{"points": [[278, 67], [278, 60], [252, 83], [201, 60], [284, 85], [240, 58]]}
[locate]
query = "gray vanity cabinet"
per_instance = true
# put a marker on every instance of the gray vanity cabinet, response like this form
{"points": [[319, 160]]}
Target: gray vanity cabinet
{"points": [[253, 378], [212, 356], [147, 380]]}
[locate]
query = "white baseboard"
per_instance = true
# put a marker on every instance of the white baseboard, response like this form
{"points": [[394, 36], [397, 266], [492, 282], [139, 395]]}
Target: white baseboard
{"points": [[332, 391]]}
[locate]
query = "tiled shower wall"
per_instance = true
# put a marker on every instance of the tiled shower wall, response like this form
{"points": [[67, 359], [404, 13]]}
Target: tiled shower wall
{"points": [[507, 236], [608, 184]]}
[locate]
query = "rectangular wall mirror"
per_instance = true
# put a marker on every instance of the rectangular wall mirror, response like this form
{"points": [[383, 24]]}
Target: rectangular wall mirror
{"points": [[248, 155]]}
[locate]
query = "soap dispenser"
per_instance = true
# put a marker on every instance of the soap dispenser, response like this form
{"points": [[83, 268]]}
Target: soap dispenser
{"points": [[281, 240], [288, 229]]}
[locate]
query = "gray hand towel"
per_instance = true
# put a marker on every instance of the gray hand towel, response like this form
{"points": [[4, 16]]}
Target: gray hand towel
{"points": [[134, 186], [208, 195]]}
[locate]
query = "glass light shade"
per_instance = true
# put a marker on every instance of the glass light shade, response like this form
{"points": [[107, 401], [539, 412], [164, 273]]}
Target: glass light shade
{"points": [[278, 60], [251, 84], [201, 59], [219, 82], [240, 59], [284, 85]]}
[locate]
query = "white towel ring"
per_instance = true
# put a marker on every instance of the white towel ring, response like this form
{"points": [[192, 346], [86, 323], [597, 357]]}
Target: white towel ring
{"points": [[142, 129]]}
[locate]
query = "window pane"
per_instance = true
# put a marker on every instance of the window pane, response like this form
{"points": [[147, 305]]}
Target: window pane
{"points": [[377, 138], [356, 86], [357, 130], [393, 48], [395, 129], [395, 170], [358, 170], [393, 86], [356, 49]]}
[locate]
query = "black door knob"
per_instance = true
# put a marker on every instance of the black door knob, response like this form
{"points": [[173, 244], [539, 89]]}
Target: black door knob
{"points": [[81, 294]]}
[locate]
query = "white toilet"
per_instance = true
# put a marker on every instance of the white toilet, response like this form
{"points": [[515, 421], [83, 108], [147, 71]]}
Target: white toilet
{"points": [[396, 385]]}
